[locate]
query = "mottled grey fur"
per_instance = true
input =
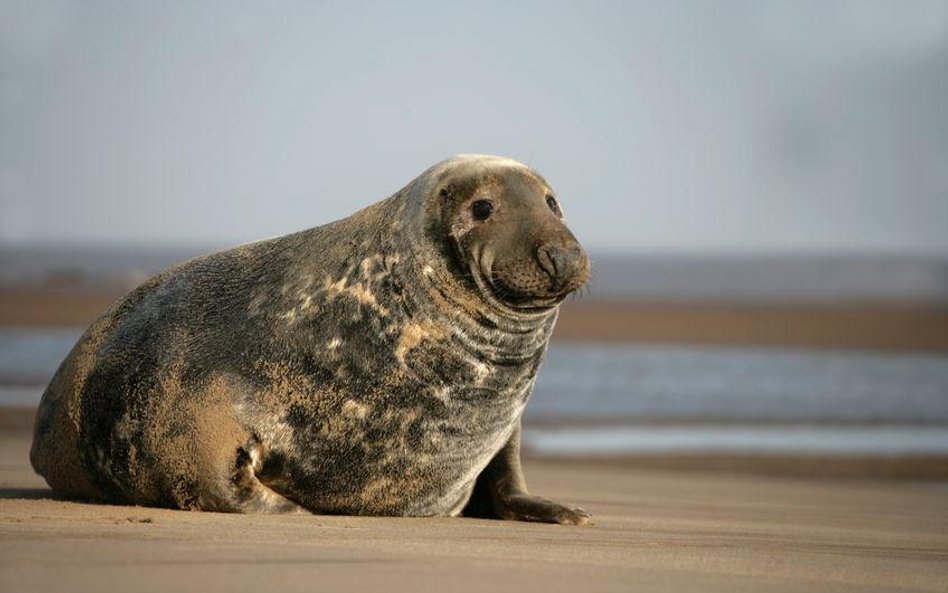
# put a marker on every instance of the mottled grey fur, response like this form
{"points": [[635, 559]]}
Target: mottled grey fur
{"points": [[376, 365]]}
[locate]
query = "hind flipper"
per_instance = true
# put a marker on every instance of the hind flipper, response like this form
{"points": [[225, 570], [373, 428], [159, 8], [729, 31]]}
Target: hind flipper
{"points": [[250, 495]]}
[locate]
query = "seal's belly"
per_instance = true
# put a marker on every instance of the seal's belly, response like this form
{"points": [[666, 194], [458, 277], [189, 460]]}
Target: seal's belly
{"points": [[431, 482], [411, 461]]}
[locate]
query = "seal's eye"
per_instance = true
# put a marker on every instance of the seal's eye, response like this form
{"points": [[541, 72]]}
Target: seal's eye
{"points": [[482, 209], [554, 207]]}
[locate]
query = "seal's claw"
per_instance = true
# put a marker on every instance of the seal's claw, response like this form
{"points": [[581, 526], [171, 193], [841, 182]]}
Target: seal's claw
{"points": [[576, 516]]}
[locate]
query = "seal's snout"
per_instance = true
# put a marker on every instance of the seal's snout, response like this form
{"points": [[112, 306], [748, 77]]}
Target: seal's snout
{"points": [[567, 265]]}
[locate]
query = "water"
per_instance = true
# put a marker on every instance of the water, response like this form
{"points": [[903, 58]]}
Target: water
{"points": [[29, 357], [581, 381], [593, 399], [798, 440]]}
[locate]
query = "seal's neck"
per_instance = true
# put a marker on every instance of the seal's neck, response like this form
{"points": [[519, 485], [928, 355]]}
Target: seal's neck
{"points": [[454, 304], [435, 286]]}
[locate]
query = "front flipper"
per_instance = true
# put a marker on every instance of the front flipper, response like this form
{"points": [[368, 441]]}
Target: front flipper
{"points": [[524, 507], [501, 491]]}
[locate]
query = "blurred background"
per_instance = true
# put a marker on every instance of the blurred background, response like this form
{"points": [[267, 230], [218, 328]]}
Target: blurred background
{"points": [[763, 187]]}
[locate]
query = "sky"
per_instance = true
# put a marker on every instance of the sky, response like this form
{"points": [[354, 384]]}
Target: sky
{"points": [[735, 126]]}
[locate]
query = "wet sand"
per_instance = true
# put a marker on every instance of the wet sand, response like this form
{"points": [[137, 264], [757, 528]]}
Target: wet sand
{"points": [[893, 327], [654, 530]]}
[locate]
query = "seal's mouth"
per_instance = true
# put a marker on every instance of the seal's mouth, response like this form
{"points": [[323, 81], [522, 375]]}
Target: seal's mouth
{"points": [[525, 301], [503, 298], [517, 288], [534, 296]]}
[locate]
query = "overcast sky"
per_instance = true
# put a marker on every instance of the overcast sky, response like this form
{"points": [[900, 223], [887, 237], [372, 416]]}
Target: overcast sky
{"points": [[712, 127]]}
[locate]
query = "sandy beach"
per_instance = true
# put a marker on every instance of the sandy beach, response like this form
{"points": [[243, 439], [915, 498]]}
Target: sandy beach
{"points": [[655, 530], [688, 261]]}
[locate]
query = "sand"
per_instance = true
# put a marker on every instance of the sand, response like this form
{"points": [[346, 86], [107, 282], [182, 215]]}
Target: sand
{"points": [[654, 530]]}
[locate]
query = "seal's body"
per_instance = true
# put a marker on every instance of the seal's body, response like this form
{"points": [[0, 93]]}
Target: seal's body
{"points": [[376, 365]]}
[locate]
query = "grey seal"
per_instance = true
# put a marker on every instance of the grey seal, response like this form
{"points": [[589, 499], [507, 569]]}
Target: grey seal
{"points": [[376, 365]]}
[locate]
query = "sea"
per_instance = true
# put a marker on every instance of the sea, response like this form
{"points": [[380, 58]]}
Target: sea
{"points": [[596, 399]]}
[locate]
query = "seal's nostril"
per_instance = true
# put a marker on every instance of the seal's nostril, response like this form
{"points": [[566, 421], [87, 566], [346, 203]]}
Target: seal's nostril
{"points": [[547, 259], [561, 263]]}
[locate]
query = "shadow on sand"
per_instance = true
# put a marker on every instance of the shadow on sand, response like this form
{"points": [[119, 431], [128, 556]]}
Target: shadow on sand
{"points": [[28, 493]]}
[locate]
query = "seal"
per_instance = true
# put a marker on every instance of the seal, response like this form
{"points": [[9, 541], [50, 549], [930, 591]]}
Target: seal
{"points": [[376, 365]]}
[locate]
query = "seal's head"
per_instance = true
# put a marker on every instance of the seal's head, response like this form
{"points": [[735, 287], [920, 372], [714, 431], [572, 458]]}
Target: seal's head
{"points": [[504, 226]]}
